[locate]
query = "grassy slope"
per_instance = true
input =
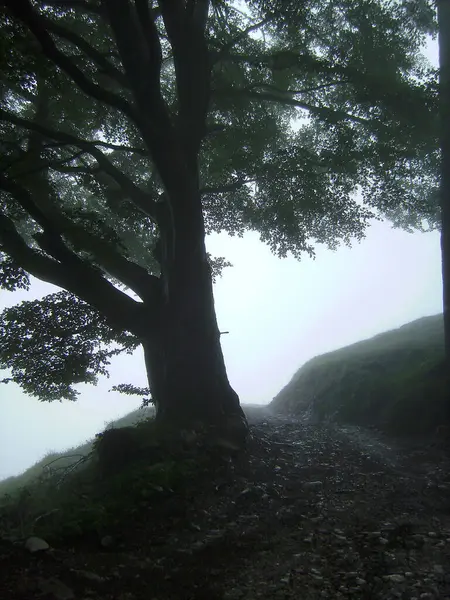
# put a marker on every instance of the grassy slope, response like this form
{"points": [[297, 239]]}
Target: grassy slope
{"points": [[141, 463], [393, 381], [62, 460]]}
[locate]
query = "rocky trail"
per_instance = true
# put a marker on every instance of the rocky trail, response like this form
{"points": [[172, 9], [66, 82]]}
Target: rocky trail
{"points": [[310, 512]]}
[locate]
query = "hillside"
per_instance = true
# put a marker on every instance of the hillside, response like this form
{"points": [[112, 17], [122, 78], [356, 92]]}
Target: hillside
{"points": [[302, 511], [393, 381], [60, 461]]}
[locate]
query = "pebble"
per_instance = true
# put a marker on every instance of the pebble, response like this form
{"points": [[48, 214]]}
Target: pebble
{"points": [[394, 577], [36, 544]]}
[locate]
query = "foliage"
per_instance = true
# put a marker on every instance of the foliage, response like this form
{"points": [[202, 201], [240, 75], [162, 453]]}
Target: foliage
{"points": [[394, 381], [12, 277], [53, 343], [131, 390], [297, 106]]}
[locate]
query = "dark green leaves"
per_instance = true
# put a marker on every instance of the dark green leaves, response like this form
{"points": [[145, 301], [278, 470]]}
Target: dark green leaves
{"points": [[12, 277], [52, 344], [310, 102]]}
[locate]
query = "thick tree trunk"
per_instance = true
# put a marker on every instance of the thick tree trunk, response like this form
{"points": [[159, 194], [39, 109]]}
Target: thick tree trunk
{"points": [[187, 375], [194, 384], [184, 359], [444, 82], [185, 364]]}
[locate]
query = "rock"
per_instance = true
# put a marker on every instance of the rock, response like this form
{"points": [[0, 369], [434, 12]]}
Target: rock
{"points": [[313, 484], [89, 575], [234, 594], [36, 544], [371, 535], [107, 541], [55, 588], [395, 578]]}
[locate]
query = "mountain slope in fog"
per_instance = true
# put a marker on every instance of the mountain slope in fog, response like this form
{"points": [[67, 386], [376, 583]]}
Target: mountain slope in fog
{"points": [[393, 381]]}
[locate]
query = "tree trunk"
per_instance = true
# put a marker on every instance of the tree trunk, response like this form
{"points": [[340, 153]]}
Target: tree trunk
{"points": [[185, 365], [444, 83], [184, 359], [444, 90]]}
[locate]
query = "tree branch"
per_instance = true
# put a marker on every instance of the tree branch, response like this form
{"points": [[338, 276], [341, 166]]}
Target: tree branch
{"points": [[47, 215], [61, 168], [45, 212], [268, 86], [140, 51], [185, 26], [44, 165], [141, 56], [118, 308], [320, 111], [227, 47], [24, 12], [221, 189], [119, 147], [143, 200], [146, 16], [98, 58]]}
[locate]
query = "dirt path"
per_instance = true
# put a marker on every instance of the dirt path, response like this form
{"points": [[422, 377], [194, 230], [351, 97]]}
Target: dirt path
{"points": [[311, 512]]}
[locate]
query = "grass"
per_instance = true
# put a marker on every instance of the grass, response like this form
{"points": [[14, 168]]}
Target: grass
{"points": [[59, 484], [394, 381], [89, 492], [55, 462], [84, 498]]}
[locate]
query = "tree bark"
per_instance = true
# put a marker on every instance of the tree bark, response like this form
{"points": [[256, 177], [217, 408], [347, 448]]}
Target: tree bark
{"points": [[444, 82], [184, 359], [444, 85], [443, 7], [196, 385]]}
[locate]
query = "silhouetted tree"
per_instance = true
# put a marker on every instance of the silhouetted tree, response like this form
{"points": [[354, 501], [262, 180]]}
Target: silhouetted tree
{"points": [[444, 90], [131, 129]]}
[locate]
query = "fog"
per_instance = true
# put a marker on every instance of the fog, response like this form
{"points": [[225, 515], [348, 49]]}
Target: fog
{"points": [[279, 314]]}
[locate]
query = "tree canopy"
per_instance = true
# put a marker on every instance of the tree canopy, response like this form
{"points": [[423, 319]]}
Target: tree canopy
{"points": [[284, 110]]}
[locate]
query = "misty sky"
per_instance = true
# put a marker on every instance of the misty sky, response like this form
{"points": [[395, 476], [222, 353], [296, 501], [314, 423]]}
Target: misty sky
{"points": [[279, 313]]}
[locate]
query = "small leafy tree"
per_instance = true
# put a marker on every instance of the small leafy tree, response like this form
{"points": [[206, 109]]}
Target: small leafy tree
{"points": [[131, 129]]}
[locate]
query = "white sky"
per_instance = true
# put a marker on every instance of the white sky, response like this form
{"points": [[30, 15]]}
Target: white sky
{"points": [[280, 313]]}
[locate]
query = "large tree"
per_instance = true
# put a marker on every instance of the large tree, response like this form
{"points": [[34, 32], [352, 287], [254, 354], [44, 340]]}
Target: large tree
{"points": [[132, 128], [444, 88]]}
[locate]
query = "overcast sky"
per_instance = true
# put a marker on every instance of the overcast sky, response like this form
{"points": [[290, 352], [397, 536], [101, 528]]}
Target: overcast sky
{"points": [[279, 314]]}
